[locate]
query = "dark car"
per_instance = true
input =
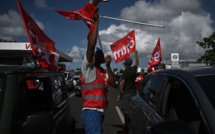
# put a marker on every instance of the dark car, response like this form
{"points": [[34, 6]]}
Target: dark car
{"points": [[117, 80], [175, 101], [34, 101], [78, 88]]}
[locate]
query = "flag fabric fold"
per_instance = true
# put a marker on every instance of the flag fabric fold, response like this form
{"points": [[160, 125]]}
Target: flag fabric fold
{"points": [[40, 42], [86, 14], [122, 48], [156, 56]]}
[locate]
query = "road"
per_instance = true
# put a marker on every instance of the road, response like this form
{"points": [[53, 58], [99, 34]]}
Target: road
{"points": [[114, 120]]}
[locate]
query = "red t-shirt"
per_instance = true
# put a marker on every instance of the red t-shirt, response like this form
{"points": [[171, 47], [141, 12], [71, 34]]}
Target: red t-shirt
{"points": [[138, 81]]}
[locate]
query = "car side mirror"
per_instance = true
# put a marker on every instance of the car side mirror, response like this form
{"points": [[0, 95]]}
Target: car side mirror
{"points": [[171, 127]]}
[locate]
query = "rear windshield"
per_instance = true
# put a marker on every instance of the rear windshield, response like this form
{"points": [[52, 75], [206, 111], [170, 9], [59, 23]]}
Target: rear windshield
{"points": [[207, 84]]}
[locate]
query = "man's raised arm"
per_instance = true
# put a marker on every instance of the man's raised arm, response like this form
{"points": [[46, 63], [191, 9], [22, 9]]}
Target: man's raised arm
{"points": [[92, 39]]}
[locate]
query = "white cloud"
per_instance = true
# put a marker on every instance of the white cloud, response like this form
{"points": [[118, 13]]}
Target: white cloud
{"points": [[40, 3], [12, 26], [185, 23], [76, 52]]}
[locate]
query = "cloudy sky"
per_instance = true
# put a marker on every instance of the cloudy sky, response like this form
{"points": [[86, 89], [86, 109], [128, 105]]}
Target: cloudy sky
{"points": [[186, 21]]}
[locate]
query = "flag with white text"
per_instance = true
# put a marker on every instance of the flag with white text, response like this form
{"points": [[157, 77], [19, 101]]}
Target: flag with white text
{"points": [[122, 48], [156, 56], [40, 42]]}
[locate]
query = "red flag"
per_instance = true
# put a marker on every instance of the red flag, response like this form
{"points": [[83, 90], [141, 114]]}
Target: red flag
{"points": [[85, 13], [40, 42], [122, 48], [156, 57]]}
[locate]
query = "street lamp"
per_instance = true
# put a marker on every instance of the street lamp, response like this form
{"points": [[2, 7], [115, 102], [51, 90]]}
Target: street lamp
{"points": [[68, 55]]}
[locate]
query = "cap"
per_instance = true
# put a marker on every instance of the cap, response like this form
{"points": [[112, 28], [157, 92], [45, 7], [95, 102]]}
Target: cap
{"points": [[128, 61]]}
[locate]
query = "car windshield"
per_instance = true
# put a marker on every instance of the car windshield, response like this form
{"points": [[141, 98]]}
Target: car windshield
{"points": [[207, 83], [76, 79], [79, 83], [65, 74]]}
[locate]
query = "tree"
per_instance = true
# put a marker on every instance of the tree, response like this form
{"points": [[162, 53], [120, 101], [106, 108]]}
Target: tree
{"points": [[4, 40], [209, 45], [115, 70], [62, 65]]}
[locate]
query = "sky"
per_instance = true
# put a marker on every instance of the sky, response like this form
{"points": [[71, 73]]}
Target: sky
{"points": [[186, 21]]}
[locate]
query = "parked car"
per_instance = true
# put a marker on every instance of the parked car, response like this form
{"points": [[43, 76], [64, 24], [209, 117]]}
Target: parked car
{"points": [[117, 78], [175, 101], [78, 88], [34, 101], [69, 80], [75, 79]]}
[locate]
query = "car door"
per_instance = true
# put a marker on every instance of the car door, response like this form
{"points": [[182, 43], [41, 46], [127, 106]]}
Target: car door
{"points": [[143, 105], [179, 103]]}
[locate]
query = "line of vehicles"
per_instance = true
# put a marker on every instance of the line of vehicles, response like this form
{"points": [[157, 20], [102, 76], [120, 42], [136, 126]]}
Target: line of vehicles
{"points": [[176, 101]]}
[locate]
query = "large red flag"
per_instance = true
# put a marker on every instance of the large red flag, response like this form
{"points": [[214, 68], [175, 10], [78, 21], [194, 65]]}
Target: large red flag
{"points": [[156, 57], [40, 42], [122, 48], [85, 13]]}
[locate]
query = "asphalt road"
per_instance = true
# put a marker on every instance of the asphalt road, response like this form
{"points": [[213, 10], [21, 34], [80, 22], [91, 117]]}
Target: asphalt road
{"points": [[114, 120]]}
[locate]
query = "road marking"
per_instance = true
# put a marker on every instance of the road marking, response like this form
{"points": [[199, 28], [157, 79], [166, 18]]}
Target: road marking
{"points": [[71, 95], [120, 114]]}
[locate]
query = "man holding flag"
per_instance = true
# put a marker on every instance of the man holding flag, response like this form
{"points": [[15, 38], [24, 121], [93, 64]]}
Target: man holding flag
{"points": [[128, 86], [95, 90]]}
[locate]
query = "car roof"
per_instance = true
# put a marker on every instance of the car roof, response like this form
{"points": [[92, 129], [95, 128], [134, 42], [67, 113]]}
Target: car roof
{"points": [[193, 71]]}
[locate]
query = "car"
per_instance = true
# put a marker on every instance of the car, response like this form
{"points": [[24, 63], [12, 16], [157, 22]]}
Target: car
{"points": [[75, 79], [34, 101], [78, 88], [174, 101], [69, 80], [117, 79]]}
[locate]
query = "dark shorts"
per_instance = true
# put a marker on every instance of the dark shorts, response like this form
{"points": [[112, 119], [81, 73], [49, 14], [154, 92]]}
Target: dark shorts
{"points": [[125, 101]]}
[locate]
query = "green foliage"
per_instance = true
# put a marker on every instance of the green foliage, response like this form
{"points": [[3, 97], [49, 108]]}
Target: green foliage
{"points": [[62, 65], [209, 45], [4, 40], [121, 71]]}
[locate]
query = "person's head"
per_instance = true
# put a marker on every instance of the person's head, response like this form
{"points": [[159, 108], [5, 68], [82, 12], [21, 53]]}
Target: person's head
{"points": [[98, 56], [128, 62], [161, 66], [142, 72]]}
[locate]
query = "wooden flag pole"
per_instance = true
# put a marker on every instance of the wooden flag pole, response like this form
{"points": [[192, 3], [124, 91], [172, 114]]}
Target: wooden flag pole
{"points": [[129, 21]]}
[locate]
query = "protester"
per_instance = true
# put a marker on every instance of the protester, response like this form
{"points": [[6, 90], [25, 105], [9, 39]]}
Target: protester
{"points": [[128, 86], [95, 90], [161, 66], [139, 79]]}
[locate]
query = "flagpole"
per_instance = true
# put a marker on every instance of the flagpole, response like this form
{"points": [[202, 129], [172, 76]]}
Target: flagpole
{"points": [[129, 21]]}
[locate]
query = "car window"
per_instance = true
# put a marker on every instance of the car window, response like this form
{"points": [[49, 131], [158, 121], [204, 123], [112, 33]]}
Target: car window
{"points": [[207, 84], [149, 90], [58, 90], [179, 104]]}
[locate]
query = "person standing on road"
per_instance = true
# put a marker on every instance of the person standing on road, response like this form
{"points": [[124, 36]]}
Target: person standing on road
{"points": [[139, 79], [128, 86], [94, 81]]}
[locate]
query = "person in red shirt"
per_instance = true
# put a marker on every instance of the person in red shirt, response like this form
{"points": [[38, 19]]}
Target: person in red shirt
{"points": [[139, 79]]}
